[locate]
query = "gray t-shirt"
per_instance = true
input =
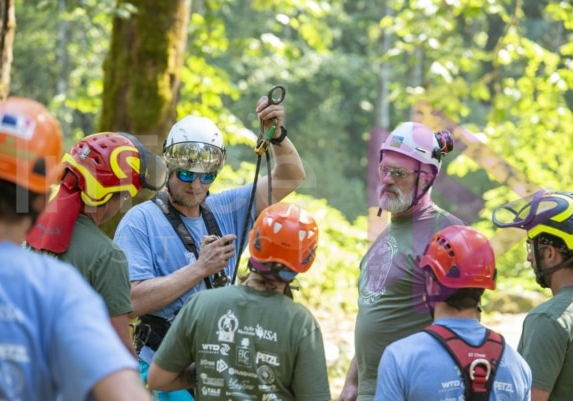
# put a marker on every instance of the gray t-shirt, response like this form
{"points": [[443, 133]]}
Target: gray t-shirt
{"points": [[247, 345], [391, 286]]}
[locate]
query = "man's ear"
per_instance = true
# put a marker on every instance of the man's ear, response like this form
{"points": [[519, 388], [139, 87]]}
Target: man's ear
{"points": [[428, 178]]}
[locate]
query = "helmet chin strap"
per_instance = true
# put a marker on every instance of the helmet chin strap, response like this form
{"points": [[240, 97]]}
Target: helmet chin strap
{"points": [[417, 196], [541, 274]]}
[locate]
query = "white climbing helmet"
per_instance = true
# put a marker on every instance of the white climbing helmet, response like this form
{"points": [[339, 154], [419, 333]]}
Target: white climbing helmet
{"points": [[195, 144], [419, 142]]}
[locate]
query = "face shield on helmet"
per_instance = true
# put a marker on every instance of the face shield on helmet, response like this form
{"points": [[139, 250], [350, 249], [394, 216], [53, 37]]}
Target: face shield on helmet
{"points": [[31, 144], [548, 219], [108, 163], [283, 235], [419, 142], [460, 257], [540, 213], [195, 144]]}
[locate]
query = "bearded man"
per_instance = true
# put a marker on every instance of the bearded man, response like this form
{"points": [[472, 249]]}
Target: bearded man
{"points": [[390, 285]]}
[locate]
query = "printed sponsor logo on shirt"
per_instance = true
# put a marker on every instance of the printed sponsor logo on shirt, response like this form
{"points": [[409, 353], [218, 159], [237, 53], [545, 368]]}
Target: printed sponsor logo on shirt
{"points": [[14, 352], [267, 389], [207, 363], [270, 397], [211, 381], [215, 349], [210, 391], [503, 386], [259, 332], [235, 384], [235, 372], [221, 366], [266, 374], [244, 357], [240, 395], [228, 325], [10, 314], [267, 358], [451, 384]]}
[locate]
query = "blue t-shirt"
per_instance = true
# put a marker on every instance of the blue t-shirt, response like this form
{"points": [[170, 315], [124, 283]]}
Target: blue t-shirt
{"points": [[418, 368], [154, 249], [56, 340]]}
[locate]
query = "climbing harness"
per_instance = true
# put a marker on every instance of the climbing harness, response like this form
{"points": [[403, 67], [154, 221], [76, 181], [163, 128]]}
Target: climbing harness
{"points": [[261, 148], [477, 365]]}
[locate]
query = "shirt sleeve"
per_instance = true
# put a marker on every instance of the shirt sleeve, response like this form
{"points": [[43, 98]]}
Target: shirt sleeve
{"points": [[543, 345], [84, 347], [310, 380], [390, 382]]}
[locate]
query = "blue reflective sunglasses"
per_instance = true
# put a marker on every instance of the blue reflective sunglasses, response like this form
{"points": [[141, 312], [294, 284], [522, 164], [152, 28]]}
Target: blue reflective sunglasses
{"points": [[190, 176]]}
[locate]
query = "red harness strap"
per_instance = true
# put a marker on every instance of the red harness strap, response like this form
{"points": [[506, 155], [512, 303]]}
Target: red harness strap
{"points": [[477, 364]]}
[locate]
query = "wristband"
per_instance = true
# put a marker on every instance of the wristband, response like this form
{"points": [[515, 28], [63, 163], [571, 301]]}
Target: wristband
{"points": [[281, 138]]}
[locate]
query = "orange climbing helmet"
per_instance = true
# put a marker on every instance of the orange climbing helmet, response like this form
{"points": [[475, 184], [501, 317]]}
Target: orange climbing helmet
{"points": [[31, 144], [460, 257], [286, 235], [110, 162]]}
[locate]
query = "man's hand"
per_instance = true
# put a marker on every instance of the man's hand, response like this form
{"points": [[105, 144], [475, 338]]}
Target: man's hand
{"points": [[215, 253], [268, 113]]}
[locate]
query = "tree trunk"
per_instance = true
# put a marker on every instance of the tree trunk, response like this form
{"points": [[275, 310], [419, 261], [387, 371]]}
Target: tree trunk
{"points": [[143, 67], [142, 72], [8, 21]]}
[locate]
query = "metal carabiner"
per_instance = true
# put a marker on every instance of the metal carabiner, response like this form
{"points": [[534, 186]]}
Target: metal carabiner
{"points": [[279, 100], [263, 140]]}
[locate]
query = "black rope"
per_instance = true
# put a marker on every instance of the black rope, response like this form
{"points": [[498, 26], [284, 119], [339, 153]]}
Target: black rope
{"points": [[251, 201]]}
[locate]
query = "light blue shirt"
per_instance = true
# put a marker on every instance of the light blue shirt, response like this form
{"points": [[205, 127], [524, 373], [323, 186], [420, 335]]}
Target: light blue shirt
{"points": [[154, 249], [418, 368], [56, 340]]}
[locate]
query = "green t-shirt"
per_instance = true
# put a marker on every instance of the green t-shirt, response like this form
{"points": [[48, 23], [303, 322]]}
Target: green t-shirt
{"points": [[390, 286], [546, 344], [247, 345], [102, 264]]}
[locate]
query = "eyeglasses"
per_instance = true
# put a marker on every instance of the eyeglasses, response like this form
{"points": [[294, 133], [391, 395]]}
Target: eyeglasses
{"points": [[190, 176], [529, 247], [395, 172]]}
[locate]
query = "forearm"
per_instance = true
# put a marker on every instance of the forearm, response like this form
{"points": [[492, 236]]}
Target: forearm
{"points": [[350, 389], [151, 295], [163, 380], [286, 176], [121, 325]]}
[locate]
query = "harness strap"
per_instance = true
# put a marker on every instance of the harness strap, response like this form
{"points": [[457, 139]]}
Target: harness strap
{"points": [[162, 201], [477, 364]]}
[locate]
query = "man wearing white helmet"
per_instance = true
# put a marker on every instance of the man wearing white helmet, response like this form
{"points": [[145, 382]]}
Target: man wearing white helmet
{"points": [[170, 243], [390, 285]]}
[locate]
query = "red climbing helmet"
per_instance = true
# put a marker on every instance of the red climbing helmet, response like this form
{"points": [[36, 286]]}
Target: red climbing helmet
{"points": [[110, 162], [461, 257]]}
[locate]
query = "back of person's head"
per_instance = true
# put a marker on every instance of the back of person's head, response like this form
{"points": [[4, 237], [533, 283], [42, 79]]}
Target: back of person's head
{"points": [[420, 143], [195, 144], [547, 216], [283, 242], [107, 163], [462, 261], [31, 145]]}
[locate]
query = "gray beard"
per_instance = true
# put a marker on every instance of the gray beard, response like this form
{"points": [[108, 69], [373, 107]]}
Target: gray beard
{"points": [[396, 205]]}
